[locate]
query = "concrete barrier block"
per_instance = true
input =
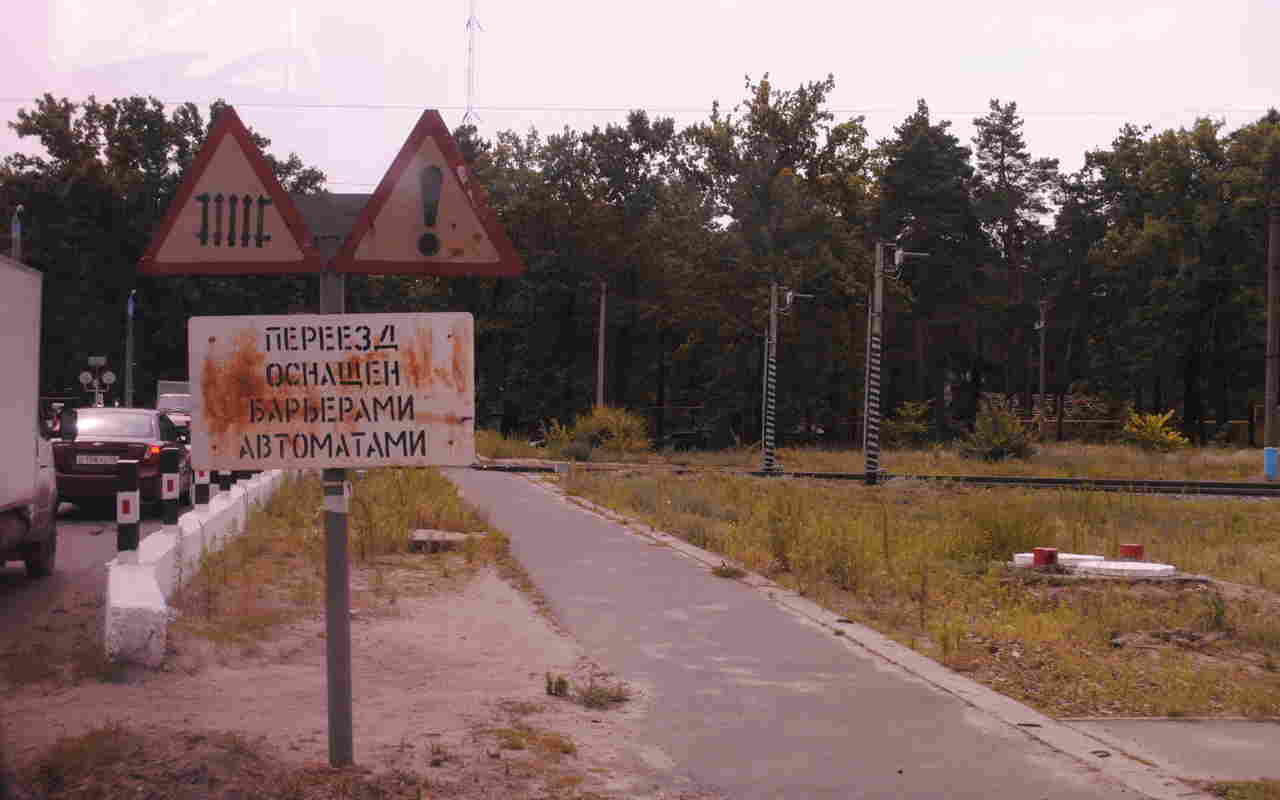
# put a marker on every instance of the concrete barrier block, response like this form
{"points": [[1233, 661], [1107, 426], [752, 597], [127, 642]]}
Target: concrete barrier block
{"points": [[136, 615], [139, 583], [160, 552]]}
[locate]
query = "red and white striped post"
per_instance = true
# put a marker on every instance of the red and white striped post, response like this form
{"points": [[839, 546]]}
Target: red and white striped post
{"points": [[201, 497], [170, 485], [128, 511]]}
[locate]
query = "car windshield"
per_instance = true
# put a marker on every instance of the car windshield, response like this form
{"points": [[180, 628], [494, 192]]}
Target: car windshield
{"points": [[175, 402], [93, 423]]}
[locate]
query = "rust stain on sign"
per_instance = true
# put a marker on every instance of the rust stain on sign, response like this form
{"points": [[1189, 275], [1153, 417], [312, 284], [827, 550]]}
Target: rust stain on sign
{"points": [[227, 385], [461, 361], [418, 360]]}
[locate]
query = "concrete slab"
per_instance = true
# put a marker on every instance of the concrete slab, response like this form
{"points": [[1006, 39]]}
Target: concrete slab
{"points": [[1204, 749], [434, 541], [747, 690]]}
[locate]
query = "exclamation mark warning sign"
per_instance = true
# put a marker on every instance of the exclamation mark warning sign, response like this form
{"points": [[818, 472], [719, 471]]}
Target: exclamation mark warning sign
{"points": [[430, 179], [427, 217]]}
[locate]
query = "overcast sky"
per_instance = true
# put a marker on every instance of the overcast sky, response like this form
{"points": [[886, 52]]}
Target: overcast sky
{"points": [[305, 73]]}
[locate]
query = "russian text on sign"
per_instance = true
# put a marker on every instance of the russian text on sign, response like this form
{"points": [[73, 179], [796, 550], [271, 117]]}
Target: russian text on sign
{"points": [[372, 390]]}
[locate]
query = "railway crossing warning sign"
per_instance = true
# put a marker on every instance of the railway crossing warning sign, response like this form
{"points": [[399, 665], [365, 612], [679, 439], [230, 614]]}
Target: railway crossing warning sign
{"points": [[230, 215]]}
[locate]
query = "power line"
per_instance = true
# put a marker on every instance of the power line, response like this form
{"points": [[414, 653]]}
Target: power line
{"points": [[705, 109]]}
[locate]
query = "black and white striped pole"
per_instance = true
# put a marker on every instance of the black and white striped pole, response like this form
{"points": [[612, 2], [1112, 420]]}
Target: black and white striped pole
{"points": [[770, 462], [224, 481], [170, 460], [875, 340], [871, 392], [128, 511], [201, 492]]}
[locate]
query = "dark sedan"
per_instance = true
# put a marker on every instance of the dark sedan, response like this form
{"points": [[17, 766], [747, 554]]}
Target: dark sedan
{"points": [[86, 465]]}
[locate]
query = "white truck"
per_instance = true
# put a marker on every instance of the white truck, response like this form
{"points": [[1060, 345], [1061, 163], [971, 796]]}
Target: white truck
{"points": [[28, 485]]}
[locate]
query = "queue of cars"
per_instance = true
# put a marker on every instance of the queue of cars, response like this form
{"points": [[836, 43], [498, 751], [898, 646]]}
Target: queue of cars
{"points": [[85, 458]]}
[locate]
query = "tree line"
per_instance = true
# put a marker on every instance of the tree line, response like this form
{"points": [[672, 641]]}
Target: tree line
{"points": [[1149, 260]]}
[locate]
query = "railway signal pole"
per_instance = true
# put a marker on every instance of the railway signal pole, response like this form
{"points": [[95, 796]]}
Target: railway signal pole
{"points": [[875, 335], [769, 402]]}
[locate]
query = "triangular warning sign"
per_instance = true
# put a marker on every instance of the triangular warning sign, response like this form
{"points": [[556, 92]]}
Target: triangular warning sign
{"points": [[230, 215], [426, 218]]}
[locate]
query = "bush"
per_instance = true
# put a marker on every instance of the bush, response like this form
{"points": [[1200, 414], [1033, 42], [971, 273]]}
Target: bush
{"points": [[556, 437], [613, 428], [1152, 432], [909, 426], [998, 435], [576, 450]]}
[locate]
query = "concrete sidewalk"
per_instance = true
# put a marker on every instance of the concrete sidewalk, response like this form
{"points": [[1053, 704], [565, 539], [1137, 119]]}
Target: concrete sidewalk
{"points": [[750, 691]]}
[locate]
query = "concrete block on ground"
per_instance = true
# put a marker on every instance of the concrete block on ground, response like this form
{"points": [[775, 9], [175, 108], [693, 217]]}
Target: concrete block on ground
{"points": [[136, 615], [434, 541]]}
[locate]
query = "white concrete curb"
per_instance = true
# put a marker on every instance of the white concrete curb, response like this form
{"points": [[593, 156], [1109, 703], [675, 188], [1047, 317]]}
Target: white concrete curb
{"points": [[137, 612], [1146, 777]]}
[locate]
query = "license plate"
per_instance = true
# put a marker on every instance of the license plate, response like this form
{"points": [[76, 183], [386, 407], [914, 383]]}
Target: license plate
{"points": [[96, 459]]}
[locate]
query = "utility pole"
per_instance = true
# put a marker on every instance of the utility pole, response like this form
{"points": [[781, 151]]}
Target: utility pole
{"points": [[875, 335], [15, 234], [1043, 327], [600, 347], [128, 353], [871, 391], [1271, 396], [769, 462], [473, 25]]}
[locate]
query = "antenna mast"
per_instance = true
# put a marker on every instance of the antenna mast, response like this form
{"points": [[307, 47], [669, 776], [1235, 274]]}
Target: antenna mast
{"points": [[473, 25]]}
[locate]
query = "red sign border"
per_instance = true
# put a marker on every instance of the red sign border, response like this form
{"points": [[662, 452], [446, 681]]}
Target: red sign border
{"points": [[430, 124], [228, 124]]}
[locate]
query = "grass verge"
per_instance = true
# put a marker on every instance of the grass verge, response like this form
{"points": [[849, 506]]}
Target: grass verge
{"points": [[1052, 459], [1245, 790], [114, 760], [924, 565], [273, 572]]}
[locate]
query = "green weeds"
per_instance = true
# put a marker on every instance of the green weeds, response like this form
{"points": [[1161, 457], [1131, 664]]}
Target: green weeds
{"points": [[926, 564]]}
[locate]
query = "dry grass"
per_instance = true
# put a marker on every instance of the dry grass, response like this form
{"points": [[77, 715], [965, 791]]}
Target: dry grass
{"points": [[492, 444], [523, 736], [1066, 460], [924, 564], [61, 644], [114, 761], [273, 573], [1245, 790]]}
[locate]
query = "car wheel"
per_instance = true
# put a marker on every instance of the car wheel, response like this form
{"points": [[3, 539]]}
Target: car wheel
{"points": [[40, 557]]}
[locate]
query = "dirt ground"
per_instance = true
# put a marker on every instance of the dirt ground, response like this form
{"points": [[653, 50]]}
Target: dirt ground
{"points": [[449, 701]]}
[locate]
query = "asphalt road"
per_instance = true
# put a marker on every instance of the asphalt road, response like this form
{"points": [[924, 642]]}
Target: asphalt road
{"points": [[743, 698], [86, 542]]}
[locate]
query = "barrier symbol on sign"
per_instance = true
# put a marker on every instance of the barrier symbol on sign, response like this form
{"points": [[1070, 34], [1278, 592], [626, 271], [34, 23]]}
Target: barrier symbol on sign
{"points": [[124, 508], [232, 201]]}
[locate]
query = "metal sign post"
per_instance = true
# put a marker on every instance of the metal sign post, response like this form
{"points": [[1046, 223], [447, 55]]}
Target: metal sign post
{"points": [[337, 576]]}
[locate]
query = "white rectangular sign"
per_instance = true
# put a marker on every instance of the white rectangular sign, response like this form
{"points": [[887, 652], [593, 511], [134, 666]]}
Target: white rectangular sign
{"points": [[332, 390]]}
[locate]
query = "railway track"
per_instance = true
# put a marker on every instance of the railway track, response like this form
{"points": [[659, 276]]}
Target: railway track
{"points": [[1130, 485]]}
